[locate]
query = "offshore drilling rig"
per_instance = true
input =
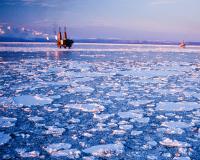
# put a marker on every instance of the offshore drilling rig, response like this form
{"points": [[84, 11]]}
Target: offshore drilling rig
{"points": [[64, 42]]}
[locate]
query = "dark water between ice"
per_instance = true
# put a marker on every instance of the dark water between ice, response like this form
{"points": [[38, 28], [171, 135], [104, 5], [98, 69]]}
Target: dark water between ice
{"points": [[100, 105]]}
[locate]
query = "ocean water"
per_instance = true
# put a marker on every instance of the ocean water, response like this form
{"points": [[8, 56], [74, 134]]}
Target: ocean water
{"points": [[99, 101]]}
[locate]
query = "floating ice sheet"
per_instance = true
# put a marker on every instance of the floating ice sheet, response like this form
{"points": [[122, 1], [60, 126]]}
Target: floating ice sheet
{"points": [[28, 100], [107, 150], [62, 150], [24, 154], [92, 107], [177, 106], [4, 138], [36, 119], [7, 122], [131, 114], [55, 131], [178, 124], [181, 158], [136, 133], [139, 102], [173, 143]]}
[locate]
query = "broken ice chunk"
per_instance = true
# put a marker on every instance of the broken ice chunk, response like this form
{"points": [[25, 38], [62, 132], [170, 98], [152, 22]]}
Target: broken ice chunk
{"points": [[174, 143], [118, 132], [35, 119], [57, 146], [126, 127], [4, 138], [102, 117], [62, 150], [91, 107], [107, 150], [55, 131], [130, 114], [28, 100], [24, 154], [136, 133], [74, 120], [7, 122], [139, 102], [181, 158], [173, 124], [177, 106]]}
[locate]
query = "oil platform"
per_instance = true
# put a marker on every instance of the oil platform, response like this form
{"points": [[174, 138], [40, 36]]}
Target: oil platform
{"points": [[64, 42]]}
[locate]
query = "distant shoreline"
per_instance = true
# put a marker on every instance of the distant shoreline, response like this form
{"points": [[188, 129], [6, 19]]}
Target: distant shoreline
{"points": [[102, 43]]}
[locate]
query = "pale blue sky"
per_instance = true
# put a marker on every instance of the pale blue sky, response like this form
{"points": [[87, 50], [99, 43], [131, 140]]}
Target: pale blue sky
{"points": [[124, 19]]}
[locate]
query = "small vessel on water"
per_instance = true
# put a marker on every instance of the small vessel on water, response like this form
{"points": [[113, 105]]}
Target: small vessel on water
{"points": [[64, 42], [182, 44]]}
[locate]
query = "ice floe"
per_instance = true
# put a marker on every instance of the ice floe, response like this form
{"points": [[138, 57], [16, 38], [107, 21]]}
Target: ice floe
{"points": [[107, 150], [139, 102], [178, 124], [118, 132], [62, 150], [173, 143], [136, 133], [181, 158], [177, 106], [92, 107], [28, 100], [131, 114], [36, 119], [7, 122], [102, 117], [24, 154], [4, 138], [55, 131], [126, 127]]}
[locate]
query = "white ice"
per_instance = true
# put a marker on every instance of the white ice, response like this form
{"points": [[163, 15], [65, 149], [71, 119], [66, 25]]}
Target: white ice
{"points": [[107, 150], [177, 106], [4, 138], [62, 150], [28, 100], [7, 122]]}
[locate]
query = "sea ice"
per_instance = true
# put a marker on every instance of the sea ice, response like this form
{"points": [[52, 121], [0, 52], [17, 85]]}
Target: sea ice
{"points": [[178, 124], [55, 131], [118, 132], [102, 117], [74, 120], [107, 150], [171, 130], [130, 114], [126, 127], [7, 122], [4, 138], [177, 106], [62, 150], [92, 107], [82, 89], [173, 143], [28, 100], [35, 119], [139, 102], [136, 133], [152, 157], [181, 158], [24, 154]]}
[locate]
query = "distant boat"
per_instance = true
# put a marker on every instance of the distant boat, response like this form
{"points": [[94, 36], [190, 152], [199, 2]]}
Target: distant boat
{"points": [[182, 45], [65, 42]]}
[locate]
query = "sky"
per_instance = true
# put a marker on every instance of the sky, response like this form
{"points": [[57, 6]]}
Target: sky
{"points": [[170, 20]]}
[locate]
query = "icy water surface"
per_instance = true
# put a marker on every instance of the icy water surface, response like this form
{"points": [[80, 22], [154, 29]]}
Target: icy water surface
{"points": [[88, 104]]}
